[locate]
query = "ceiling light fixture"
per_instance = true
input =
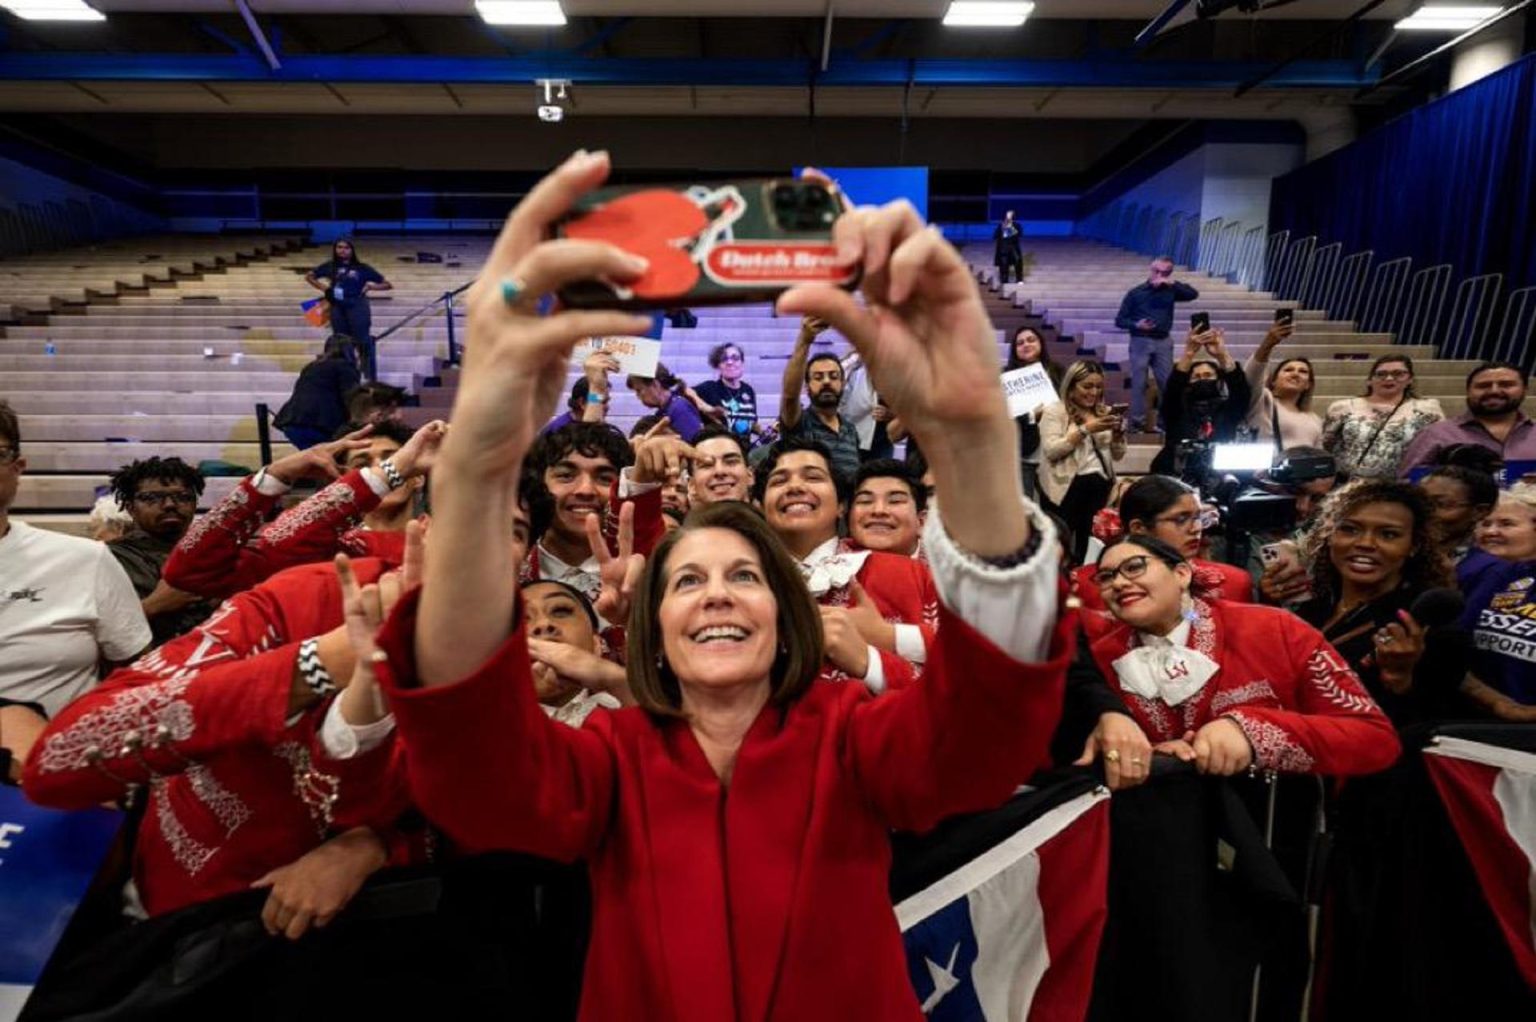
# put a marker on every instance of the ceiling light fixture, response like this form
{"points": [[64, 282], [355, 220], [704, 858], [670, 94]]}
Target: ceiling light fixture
{"points": [[521, 12], [1446, 18], [53, 10], [987, 13]]}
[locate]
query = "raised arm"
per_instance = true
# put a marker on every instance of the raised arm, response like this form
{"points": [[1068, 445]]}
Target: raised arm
{"points": [[794, 374], [982, 716]]}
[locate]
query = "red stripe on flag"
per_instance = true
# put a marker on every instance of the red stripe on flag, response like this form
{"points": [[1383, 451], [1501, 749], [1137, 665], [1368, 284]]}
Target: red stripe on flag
{"points": [[1503, 870], [1073, 893]]}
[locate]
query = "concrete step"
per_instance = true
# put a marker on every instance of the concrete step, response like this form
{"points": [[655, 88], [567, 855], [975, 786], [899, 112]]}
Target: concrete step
{"points": [[101, 456], [61, 493]]}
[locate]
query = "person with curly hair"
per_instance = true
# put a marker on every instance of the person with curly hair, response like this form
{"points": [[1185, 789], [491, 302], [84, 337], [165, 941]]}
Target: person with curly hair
{"points": [[160, 495], [1374, 550]]}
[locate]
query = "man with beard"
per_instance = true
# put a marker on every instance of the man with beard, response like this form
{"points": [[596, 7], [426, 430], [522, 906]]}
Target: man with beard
{"points": [[160, 495], [823, 376], [720, 468], [888, 507], [1493, 419], [878, 610]]}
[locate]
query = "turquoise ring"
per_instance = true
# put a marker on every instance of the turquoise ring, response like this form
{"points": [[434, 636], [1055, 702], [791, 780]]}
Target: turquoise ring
{"points": [[513, 291]]}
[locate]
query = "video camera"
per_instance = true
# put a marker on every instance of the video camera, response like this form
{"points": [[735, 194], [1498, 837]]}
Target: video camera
{"points": [[1252, 487]]}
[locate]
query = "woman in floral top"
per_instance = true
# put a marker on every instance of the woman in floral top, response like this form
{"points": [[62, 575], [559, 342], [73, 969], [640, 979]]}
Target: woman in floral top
{"points": [[1367, 435]]}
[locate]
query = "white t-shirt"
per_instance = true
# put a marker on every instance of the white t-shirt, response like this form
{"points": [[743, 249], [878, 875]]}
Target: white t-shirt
{"points": [[65, 604]]}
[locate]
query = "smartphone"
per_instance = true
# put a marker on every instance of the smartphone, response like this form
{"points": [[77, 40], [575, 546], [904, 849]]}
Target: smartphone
{"points": [[710, 244], [1200, 322], [1285, 317], [1119, 410], [1270, 553]]}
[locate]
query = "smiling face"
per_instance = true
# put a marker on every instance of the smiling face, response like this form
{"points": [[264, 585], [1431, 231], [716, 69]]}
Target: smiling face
{"points": [[800, 498], [580, 486], [1087, 392], [884, 516], [1389, 380], [1451, 504], [1292, 380], [1371, 544], [1151, 599], [733, 365], [718, 616], [1509, 532], [719, 472], [1495, 392]]}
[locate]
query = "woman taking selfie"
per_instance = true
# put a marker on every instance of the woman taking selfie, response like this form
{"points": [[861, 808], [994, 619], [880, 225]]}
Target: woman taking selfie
{"points": [[1207, 400], [736, 822], [1229, 685], [1280, 409], [1080, 440]]}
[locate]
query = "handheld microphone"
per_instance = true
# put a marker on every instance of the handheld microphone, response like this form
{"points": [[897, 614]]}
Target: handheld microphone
{"points": [[1438, 608]]}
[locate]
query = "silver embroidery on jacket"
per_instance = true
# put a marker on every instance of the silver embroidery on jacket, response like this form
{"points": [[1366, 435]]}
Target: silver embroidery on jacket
{"points": [[138, 713]]}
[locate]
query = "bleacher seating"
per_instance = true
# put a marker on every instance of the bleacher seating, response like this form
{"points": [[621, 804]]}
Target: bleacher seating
{"points": [[165, 345]]}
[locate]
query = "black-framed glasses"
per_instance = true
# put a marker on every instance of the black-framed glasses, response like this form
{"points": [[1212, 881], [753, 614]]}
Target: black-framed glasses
{"points": [[1130, 569], [728, 357], [1391, 374], [150, 498]]}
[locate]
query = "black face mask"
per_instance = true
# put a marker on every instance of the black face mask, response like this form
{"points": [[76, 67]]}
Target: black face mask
{"points": [[1204, 390]]}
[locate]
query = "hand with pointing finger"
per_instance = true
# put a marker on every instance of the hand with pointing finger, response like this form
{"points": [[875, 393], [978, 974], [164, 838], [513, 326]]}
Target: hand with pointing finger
{"points": [[661, 456]]}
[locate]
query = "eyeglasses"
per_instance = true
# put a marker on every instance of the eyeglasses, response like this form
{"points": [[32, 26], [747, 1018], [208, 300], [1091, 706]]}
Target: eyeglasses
{"points": [[1206, 517], [1131, 569], [1448, 505], [154, 497], [1391, 374], [8, 455], [730, 358]]}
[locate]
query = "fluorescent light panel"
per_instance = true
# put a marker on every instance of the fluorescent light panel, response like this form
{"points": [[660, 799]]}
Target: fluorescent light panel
{"points": [[1446, 18], [52, 10], [521, 12], [987, 13]]}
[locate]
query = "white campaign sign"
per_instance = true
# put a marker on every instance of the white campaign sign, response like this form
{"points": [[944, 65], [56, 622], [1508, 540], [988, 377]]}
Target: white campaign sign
{"points": [[1027, 389], [637, 356]]}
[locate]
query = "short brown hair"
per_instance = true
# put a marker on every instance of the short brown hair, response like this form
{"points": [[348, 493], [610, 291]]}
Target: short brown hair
{"points": [[10, 428], [653, 684]]}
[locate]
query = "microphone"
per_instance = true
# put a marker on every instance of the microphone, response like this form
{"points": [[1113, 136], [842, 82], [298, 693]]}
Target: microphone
{"points": [[1438, 608]]}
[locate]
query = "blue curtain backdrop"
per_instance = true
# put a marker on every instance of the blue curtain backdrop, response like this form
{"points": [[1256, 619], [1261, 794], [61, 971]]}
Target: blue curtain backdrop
{"points": [[1452, 182]]}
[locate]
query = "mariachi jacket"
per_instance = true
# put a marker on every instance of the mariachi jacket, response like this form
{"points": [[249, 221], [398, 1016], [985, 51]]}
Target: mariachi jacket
{"points": [[1301, 706]]}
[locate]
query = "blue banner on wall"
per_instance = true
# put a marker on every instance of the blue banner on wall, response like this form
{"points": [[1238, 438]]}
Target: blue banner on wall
{"points": [[47, 861]]}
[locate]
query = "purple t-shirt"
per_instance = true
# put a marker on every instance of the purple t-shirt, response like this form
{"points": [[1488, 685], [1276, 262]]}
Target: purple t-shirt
{"points": [[685, 418], [563, 419]]}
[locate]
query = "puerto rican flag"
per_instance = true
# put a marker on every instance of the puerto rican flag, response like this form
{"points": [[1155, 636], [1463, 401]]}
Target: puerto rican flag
{"points": [[1490, 795], [1013, 934]]}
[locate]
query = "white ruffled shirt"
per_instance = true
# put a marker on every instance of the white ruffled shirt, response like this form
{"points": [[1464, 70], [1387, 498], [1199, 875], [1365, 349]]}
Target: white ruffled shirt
{"points": [[1164, 667]]}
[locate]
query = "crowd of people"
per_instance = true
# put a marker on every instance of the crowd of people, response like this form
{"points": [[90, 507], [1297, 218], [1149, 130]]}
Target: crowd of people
{"points": [[593, 637]]}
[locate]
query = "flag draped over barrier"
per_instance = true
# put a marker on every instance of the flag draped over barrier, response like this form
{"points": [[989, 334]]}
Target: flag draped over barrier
{"points": [[1012, 934], [1490, 795]]}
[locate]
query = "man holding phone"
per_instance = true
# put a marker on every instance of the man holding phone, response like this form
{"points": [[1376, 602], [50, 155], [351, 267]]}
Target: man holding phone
{"points": [[1146, 313]]}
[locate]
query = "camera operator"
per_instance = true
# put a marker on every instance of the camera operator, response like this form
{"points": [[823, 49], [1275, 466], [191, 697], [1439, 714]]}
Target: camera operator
{"points": [[1206, 401], [1306, 475]]}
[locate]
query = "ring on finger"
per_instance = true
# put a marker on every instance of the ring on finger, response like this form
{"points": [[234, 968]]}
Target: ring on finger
{"points": [[1135, 761], [514, 291], [1112, 756]]}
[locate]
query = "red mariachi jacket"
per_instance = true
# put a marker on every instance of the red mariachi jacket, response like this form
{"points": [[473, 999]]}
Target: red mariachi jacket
{"points": [[1301, 706], [764, 900], [235, 788], [902, 589], [227, 550]]}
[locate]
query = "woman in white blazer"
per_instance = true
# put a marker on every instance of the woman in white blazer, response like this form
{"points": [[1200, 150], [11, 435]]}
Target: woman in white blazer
{"points": [[1081, 439]]}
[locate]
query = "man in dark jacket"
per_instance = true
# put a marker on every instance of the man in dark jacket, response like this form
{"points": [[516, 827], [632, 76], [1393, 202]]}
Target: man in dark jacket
{"points": [[160, 495], [1007, 254], [318, 406], [1146, 313]]}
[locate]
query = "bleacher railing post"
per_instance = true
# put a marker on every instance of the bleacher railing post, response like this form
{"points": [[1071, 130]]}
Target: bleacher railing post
{"points": [[264, 432], [453, 344]]}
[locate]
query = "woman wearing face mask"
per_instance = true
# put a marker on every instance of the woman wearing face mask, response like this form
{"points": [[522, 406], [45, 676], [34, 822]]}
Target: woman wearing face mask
{"points": [[1229, 686], [1280, 408], [1206, 400], [1169, 510], [1028, 349], [1081, 439], [1373, 552], [1367, 434], [1502, 678]]}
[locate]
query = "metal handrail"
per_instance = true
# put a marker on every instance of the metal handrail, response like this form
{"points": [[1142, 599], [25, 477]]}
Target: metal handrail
{"points": [[446, 301]]}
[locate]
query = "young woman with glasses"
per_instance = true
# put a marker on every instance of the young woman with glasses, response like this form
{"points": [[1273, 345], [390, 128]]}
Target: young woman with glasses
{"points": [[1169, 510], [1367, 435], [1226, 685]]}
